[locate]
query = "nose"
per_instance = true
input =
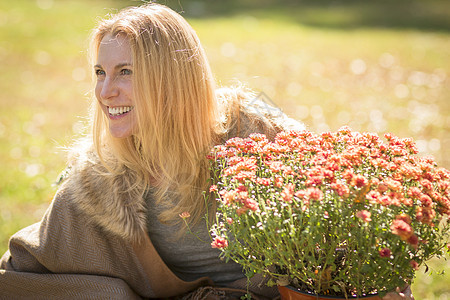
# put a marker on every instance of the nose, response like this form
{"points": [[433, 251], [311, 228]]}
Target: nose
{"points": [[108, 88]]}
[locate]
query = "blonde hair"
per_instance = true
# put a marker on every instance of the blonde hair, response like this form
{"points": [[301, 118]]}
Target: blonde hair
{"points": [[175, 108]]}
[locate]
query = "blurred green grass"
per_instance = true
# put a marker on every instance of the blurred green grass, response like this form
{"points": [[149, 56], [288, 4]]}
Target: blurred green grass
{"points": [[374, 65]]}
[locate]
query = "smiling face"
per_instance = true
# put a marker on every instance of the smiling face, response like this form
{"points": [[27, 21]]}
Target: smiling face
{"points": [[114, 88]]}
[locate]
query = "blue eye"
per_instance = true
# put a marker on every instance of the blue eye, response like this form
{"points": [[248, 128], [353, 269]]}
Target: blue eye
{"points": [[99, 72], [126, 72]]}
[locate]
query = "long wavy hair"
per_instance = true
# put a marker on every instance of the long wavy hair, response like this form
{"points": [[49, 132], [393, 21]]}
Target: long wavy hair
{"points": [[175, 108]]}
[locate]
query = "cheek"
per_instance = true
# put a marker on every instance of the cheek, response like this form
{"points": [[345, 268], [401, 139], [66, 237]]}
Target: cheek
{"points": [[128, 90]]}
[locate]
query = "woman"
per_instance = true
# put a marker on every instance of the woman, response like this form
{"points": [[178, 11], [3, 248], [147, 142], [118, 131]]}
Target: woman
{"points": [[113, 229]]}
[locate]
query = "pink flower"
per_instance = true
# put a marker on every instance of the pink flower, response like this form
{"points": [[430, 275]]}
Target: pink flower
{"points": [[230, 170], [234, 160], [385, 252], [407, 201], [263, 181], [301, 194], [219, 242], [257, 137], [314, 180], [413, 240], [241, 188], [251, 204], [185, 215], [359, 181], [410, 171], [426, 200], [213, 188], [245, 175], [328, 175], [404, 217], [444, 184], [288, 193], [219, 151], [287, 170], [240, 164], [398, 151], [345, 130], [426, 184], [410, 145], [234, 142], [348, 175], [241, 195], [414, 264], [425, 215], [341, 189], [248, 164], [382, 187], [278, 181], [385, 200], [274, 148], [435, 196], [379, 162], [374, 181], [275, 166], [402, 229], [396, 198], [373, 196], [393, 184], [364, 215], [414, 192], [314, 194], [228, 197]]}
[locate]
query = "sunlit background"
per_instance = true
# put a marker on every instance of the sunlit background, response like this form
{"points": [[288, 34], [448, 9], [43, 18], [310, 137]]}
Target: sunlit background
{"points": [[374, 65]]}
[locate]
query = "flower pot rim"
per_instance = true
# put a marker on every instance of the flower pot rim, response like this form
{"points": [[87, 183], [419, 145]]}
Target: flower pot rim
{"points": [[325, 296]]}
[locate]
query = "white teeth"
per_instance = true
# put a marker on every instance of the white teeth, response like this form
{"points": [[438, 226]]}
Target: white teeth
{"points": [[116, 111]]}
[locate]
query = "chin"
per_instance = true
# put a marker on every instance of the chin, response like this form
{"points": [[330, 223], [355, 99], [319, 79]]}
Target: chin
{"points": [[118, 134]]}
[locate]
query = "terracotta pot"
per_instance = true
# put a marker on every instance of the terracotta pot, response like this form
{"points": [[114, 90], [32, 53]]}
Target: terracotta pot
{"points": [[290, 293]]}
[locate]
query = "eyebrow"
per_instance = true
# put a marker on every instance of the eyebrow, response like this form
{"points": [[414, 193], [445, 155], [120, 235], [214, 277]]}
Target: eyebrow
{"points": [[121, 65]]}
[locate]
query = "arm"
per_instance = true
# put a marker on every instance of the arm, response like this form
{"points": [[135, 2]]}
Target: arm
{"points": [[62, 257]]}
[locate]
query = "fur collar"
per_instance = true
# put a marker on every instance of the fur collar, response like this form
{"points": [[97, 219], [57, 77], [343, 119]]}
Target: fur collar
{"points": [[104, 198]]}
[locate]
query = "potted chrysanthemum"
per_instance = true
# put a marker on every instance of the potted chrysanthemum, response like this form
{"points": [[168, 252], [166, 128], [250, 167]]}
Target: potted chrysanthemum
{"points": [[339, 214]]}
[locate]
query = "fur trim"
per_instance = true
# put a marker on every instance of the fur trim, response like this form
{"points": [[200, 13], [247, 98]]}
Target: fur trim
{"points": [[105, 199]]}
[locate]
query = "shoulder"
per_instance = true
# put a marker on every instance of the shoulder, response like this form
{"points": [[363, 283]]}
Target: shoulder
{"points": [[106, 199], [245, 112]]}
